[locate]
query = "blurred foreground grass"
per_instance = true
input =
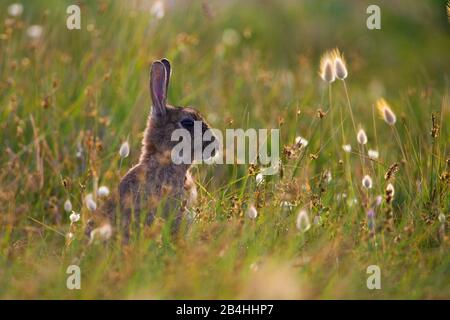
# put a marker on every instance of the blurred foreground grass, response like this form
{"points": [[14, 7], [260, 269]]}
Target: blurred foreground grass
{"points": [[68, 99]]}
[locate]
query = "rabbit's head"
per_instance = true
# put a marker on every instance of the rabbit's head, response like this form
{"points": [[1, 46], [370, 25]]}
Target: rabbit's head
{"points": [[165, 119]]}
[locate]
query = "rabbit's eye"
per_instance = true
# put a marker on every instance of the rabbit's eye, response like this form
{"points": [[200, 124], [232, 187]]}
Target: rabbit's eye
{"points": [[187, 123]]}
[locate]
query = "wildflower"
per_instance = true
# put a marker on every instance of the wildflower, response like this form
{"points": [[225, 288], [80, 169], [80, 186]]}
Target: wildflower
{"points": [[386, 112], [102, 233], [326, 68], [301, 142], [373, 154], [347, 148], [124, 150], [74, 217], [68, 206], [90, 203], [157, 9], [259, 179], [367, 182], [15, 9], [361, 137], [252, 213], [302, 222], [34, 31], [103, 191], [340, 68]]}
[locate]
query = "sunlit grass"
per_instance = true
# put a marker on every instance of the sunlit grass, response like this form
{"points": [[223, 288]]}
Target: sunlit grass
{"points": [[70, 99]]}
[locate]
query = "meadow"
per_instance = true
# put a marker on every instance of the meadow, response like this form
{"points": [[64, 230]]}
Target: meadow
{"points": [[69, 99]]}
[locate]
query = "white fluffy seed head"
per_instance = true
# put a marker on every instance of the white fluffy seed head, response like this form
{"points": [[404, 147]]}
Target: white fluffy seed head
{"points": [[34, 31], [252, 213], [103, 191], [124, 150], [367, 182], [301, 142], [347, 148], [302, 222], [441, 218], [340, 69], [74, 217], [327, 71], [15, 9], [373, 154], [386, 112], [68, 206], [157, 9], [90, 203], [361, 137]]}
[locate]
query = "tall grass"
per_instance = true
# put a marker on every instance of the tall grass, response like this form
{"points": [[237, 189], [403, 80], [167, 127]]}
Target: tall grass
{"points": [[71, 98]]}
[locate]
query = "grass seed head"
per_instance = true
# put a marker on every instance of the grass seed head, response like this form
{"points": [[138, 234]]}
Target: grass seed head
{"points": [[361, 137], [327, 68], [367, 182], [103, 191], [340, 67], [15, 9], [386, 112], [373, 154], [68, 206], [252, 213], [124, 150], [302, 222], [347, 148]]}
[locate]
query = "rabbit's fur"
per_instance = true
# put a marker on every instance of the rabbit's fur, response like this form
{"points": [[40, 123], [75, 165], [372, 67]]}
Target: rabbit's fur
{"points": [[156, 178]]}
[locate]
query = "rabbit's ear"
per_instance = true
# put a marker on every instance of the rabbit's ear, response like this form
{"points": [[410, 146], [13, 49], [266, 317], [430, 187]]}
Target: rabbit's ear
{"points": [[168, 72], [158, 88]]}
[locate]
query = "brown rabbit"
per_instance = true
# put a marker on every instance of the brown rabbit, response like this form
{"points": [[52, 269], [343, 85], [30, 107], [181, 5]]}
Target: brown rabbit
{"points": [[156, 178]]}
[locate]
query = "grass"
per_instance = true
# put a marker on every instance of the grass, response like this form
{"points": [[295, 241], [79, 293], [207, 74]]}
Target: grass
{"points": [[243, 65]]}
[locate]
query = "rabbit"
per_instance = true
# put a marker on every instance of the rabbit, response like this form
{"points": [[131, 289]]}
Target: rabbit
{"points": [[156, 177]]}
